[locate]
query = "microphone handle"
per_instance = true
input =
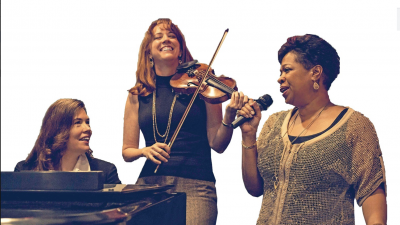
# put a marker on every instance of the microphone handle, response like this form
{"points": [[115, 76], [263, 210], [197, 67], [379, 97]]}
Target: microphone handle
{"points": [[241, 119]]}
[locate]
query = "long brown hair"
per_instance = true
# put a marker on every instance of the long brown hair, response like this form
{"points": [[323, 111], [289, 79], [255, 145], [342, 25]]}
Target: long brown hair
{"points": [[54, 134], [145, 76]]}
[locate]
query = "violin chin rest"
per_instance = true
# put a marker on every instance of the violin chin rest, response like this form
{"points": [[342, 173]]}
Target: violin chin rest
{"points": [[186, 65]]}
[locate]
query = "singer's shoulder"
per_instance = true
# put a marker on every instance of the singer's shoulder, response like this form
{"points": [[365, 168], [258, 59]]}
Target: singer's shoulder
{"points": [[281, 115], [358, 119], [274, 122], [283, 112]]}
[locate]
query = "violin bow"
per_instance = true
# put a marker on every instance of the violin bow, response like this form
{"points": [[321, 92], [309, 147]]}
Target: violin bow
{"points": [[178, 128]]}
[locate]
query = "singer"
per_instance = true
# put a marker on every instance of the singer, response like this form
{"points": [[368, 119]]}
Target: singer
{"points": [[312, 161], [154, 109]]}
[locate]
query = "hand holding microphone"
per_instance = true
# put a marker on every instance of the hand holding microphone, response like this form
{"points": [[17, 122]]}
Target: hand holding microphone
{"points": [[256, 106]]}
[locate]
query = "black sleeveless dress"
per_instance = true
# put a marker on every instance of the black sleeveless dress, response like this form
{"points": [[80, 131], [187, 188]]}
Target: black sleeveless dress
{"points": [[190, 153]]}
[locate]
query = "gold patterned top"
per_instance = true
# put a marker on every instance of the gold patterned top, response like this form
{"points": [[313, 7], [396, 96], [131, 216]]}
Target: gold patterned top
{"points": [[320, 178]]}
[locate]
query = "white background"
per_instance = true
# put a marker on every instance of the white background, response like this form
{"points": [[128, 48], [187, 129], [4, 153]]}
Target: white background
{"points": [[88, 50]]}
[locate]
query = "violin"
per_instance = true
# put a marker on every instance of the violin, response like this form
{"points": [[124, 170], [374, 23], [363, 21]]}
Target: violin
{"points": [[213, 90]]}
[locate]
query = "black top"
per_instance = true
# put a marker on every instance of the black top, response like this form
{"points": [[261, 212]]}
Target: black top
{"points": [[110, 173], [307, 138], [190, 153]]}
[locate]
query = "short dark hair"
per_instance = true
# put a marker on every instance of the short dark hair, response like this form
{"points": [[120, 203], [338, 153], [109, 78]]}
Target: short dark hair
{"points": [[311, 50]]}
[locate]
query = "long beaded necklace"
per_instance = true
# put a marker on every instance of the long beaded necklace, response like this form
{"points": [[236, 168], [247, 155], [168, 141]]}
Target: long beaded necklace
{"points": [[276, 182], [155, 128]]}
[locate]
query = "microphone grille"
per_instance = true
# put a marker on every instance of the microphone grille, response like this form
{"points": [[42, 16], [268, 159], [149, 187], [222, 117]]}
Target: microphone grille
{"points": [[265, 101]]}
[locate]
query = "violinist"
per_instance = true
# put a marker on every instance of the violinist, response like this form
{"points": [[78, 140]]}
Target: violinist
{"points": [[155, 109]]}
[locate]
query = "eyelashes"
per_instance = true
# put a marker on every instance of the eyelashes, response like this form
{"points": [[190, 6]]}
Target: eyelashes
{"points": [[78, 122], [171, 36], [286, 70]]}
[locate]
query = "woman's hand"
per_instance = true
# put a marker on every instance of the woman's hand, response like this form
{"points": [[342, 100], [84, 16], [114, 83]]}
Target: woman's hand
{"points": [[159, 151], [238, 99], [253, 111]]}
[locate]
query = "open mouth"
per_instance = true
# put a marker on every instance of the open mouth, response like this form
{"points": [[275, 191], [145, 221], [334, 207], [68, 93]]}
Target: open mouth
{"points": [[85, 139], [166, 48], [283, 89]]}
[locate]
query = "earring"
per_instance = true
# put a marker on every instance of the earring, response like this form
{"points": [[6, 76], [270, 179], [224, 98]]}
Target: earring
{"points": [[180, 62], [151, 62], [316, 85], [180, 59]]}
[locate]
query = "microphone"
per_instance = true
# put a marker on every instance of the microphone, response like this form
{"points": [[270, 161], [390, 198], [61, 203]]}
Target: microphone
{"points": [[263, 102]]}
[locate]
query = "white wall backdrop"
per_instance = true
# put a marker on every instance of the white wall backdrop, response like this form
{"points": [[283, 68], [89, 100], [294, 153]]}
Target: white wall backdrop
{"points": [[88, 50]]}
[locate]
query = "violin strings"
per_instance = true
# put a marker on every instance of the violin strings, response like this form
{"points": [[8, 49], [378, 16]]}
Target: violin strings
{"points": [[215, 79], [222, 84]]}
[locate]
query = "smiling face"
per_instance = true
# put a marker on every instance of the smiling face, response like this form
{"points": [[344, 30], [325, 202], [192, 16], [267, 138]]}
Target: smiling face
{"points": [[165, 47], [79, 134], [295, 81]]}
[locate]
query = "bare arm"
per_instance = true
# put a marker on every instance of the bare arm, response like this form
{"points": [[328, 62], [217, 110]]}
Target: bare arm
{"points": [[251, 177], [130, 150], [219, 136], [375, 208], [130, 147]]}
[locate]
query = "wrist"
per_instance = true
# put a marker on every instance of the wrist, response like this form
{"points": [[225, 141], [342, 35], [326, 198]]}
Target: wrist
{"points": [[249, 146], [229, 125], [227, 120], [229, 115], [249, 135], [249, 139], [142, 153]]}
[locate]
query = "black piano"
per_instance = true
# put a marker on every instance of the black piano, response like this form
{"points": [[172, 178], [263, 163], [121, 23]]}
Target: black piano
{"points": [[80, 198]]}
